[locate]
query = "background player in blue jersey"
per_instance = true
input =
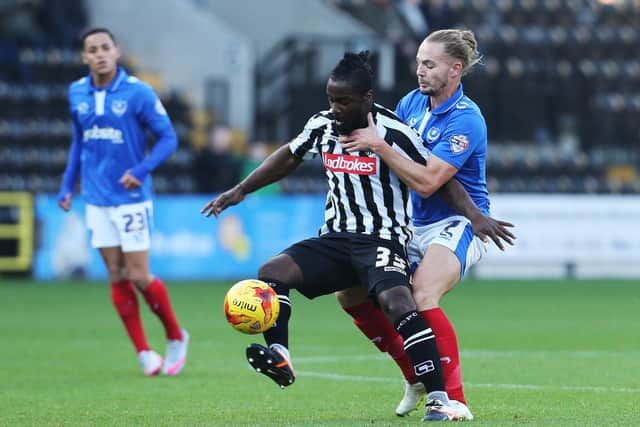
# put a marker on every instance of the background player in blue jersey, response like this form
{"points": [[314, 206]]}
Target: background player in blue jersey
{"points": [[110, 113], [444, 245]]}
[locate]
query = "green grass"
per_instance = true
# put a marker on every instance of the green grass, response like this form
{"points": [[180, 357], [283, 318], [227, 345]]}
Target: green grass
{"points": [[537, 353]]}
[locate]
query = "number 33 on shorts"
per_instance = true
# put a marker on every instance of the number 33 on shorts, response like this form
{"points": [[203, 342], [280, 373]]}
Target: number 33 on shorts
{"points": [[390, 261]]}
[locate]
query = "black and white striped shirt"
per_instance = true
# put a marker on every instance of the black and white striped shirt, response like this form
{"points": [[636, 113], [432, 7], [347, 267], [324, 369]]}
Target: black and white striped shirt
{"points": [[365, 196]]}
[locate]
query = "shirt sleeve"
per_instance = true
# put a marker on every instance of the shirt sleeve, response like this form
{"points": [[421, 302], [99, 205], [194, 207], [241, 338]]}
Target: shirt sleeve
{"points": [[304, 146], [153, 116], [401, 109], [463, 135], [73, 158], [408, 144]]}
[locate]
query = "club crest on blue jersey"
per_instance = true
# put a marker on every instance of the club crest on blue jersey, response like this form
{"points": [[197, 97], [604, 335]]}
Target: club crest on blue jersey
{"points": [[459, 143], [413, 121], [119, 107], [433, 134], [160, 108], [82, 108]]}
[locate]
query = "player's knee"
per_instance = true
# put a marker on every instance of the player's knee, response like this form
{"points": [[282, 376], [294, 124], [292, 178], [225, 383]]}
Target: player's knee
{"points": [[115, 273], [282, 269], [140, 277], [352, 297], [396, 301], [426, 298]]}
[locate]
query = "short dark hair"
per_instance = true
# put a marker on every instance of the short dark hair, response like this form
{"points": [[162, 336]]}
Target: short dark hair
{"points": [[355, 69], [96, 30]]}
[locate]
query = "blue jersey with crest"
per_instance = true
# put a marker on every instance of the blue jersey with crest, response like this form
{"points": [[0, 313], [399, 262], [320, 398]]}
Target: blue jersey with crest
{"points": [[454, 132], [109, 138]]}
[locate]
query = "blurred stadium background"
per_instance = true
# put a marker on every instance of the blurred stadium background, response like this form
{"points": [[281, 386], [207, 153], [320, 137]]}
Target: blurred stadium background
{"points": [[559, 86], [560, 90]]}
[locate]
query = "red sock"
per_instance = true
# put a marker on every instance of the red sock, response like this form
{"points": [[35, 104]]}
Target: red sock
{"points": [[374, 324], [125, 301], [157, 297], [447, 343]]}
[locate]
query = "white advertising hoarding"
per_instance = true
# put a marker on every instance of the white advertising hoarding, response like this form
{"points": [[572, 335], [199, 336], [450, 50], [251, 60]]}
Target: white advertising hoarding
{"points": [[560, 235]]}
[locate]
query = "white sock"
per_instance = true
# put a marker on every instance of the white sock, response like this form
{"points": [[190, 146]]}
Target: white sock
{"points": [[442, 396], [281, 349]]}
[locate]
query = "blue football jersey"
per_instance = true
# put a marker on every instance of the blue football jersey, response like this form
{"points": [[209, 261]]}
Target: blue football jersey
{"points": [[109, 138], [456, 133]]}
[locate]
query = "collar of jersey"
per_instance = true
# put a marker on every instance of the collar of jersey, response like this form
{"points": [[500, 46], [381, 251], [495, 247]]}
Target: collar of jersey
{"points": [[449, 103], [113, 86]]}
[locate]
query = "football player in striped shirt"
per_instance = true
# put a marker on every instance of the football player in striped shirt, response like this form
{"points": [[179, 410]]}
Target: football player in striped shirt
{"points": [[444, 246], [110, 113], [366, 228]]}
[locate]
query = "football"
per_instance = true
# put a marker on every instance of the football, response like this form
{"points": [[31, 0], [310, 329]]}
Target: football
{"points": [[251, 306]]}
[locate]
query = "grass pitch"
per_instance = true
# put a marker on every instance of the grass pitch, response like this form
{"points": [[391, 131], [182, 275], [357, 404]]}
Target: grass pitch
{"points": [[535, 353]]}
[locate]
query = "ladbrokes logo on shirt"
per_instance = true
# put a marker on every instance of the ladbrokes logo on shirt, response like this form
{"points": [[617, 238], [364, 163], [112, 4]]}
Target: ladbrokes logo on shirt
{"points": [[115, 135], [350, 164]]}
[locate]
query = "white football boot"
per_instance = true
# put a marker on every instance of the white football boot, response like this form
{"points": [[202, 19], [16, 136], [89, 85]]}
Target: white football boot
{"points": [[461, 409], [150, 362], [176, 356], [452, 410], [413, 395]]}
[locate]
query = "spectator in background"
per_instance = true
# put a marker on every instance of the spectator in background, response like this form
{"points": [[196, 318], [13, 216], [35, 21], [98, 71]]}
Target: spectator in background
{"points": [[110, 113], [19, 20], [437, 14], [258, 151], [217, 168], [64, 19]]}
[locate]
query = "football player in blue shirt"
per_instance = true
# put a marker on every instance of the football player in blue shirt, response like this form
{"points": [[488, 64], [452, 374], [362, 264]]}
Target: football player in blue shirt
{"points": [[110, 113], [444, 245]]}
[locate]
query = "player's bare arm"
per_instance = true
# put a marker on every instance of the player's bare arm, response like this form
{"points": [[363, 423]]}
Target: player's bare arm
{"points": [[275, 167], [485, 227], [425, 180]]}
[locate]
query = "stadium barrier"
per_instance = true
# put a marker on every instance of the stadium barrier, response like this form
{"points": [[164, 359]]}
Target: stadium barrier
{"points": [[561, 235], [185, 245], [558, 236]]}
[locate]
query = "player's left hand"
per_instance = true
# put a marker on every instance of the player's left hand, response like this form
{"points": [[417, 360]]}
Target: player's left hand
{"points": [[363, 139], [129, 181], [497, 230]]}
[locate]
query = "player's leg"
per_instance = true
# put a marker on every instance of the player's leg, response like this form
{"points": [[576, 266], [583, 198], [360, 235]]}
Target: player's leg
{"points": [[438, 273], [124, 298], [451, 249], [373, 323], [133, 222], [387, 271], [105, 237], [314, 267], [282, 274]]}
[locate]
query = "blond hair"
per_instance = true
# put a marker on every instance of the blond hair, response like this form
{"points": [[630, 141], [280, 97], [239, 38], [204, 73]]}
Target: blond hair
{"points": [[459, 44]]}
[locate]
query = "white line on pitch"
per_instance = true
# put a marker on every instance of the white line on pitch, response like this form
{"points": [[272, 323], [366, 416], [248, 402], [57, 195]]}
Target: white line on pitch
{"points": [[477, 354], [339, 377]]}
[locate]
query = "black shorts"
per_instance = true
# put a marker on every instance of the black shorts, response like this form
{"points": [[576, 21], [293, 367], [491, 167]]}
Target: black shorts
{"points": [[337, 261]]}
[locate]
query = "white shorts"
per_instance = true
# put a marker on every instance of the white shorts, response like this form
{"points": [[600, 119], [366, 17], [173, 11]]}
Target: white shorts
{"points": [[127, 226], [454, 233]]}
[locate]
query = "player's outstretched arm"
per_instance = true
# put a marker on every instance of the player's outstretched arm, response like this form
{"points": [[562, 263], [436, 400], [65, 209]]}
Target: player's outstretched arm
{"points": [[275, 167], [485, 227]]}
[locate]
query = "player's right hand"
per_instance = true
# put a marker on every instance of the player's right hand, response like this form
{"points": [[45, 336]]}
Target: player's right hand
{"points": [[65, 203], [228, 198]]}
